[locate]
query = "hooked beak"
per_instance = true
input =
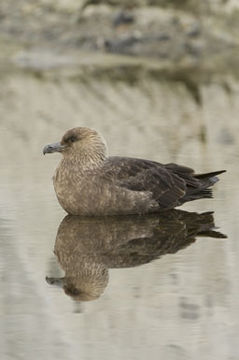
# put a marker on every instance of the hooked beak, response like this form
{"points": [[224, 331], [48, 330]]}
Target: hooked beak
{"points": [[57, 147], [59, 282]]}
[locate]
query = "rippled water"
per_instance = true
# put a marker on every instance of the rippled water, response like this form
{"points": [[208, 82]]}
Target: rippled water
{"points": [[154, 287]]}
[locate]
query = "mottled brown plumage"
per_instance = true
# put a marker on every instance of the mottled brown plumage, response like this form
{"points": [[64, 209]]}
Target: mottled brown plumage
{"points": [[88, 182], [87, 247]]}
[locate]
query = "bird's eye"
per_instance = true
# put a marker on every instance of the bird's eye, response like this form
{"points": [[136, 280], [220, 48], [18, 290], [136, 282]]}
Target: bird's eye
{"points": [[72, 139]]}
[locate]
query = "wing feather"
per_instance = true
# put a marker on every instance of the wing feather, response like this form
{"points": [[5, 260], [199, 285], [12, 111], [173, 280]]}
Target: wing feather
{"points": [[167, 188]]}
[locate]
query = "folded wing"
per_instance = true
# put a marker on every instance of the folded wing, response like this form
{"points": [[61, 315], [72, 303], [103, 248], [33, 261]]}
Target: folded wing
{"points": [[170, 184], [166, 187]]}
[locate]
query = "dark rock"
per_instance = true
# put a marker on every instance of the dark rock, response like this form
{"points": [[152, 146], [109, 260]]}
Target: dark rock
{"points": [[123, 18]]}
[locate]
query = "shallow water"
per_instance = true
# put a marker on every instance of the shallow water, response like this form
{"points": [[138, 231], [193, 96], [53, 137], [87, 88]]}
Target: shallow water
{"points": [[183, 305]]}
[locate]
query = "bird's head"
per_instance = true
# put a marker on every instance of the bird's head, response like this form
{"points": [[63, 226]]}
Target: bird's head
{"points": [[79, 142]]}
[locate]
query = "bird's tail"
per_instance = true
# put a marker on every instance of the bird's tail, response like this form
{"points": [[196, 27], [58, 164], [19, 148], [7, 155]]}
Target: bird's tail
{"points": [[203, 189], [209, 179]]}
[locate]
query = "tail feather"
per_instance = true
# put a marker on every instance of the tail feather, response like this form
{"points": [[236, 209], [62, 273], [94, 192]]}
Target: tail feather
{"points": [[203, 189], [209, 179], [209, 175], [214, 173], [198, 194]]}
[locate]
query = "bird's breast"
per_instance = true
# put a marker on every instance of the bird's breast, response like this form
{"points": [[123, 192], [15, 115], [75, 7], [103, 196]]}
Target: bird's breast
{"points": [[68, 190], [90, 194]]}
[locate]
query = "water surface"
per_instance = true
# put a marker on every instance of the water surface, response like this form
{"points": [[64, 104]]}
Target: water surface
{"points": [[182, 305]]}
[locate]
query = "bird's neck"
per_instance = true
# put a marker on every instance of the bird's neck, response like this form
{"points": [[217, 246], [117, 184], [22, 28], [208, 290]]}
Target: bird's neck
{"points": [[84, 160]]}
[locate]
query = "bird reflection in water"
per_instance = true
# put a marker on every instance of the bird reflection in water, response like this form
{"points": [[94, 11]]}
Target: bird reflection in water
{"points": [[87, 247]]}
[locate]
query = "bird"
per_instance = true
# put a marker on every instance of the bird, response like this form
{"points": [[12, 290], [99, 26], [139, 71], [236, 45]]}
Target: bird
{"points": [[88, 247], [89, 182]]}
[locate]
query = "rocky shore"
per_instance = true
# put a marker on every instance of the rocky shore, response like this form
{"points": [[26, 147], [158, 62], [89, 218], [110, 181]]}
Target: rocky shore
{"points": [[175, 34]]}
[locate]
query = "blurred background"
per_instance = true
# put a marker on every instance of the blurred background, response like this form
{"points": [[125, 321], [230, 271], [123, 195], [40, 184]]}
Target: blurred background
{"points": [[159, 80]]}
